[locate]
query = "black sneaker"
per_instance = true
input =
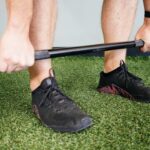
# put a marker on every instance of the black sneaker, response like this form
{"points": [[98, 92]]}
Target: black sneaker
{"points": [[123, 83], [56, 110]]}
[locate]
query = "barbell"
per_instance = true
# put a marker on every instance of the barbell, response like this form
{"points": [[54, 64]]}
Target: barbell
{"points": [[79, 50]]}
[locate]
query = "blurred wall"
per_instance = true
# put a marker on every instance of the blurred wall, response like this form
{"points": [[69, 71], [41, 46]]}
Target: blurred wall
{"points": [[78, 22], [3, 17]]}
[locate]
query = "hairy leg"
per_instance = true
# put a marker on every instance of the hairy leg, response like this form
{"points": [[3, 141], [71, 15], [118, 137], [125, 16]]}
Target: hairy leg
{"points": [[117, 21], [42, 35], [47, 100]]}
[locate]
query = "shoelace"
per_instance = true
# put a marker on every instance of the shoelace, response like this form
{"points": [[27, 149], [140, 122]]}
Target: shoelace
{"points": [[129, 76], [53, 90]]}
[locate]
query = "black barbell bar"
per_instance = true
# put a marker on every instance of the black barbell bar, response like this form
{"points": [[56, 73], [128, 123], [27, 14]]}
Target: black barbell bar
{"points": [[79, 50]]}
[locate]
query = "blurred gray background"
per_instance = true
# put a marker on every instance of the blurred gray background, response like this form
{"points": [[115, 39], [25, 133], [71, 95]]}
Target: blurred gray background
{"points": [[78, 22]]}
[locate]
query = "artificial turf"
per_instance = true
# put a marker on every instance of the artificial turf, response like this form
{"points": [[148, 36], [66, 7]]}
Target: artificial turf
{"points": [[119, 124]]}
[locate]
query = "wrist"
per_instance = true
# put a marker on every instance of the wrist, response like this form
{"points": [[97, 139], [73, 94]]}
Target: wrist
{"points": [[147, 18], [18, 29], [20, 33], [19, 25]]}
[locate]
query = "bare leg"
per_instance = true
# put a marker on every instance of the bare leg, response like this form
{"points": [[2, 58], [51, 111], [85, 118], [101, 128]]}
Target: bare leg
{"points": [[117, 20], [49, 104], [42, 34]]}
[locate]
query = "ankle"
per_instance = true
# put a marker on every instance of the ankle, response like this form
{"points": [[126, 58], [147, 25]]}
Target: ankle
{"points": [[42, 69], [36, 81], [110, 66]]}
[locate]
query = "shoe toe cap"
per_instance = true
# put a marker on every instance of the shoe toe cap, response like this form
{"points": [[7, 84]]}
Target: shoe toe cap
{"points": [[82, 123], [86, 121]]}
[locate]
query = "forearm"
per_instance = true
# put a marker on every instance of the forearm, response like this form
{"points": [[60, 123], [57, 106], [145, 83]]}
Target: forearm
{"points": [[147, 5], [19, 15], [147, 8]]}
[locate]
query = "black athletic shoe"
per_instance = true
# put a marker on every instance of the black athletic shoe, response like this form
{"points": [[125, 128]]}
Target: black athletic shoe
{"points": [[56, 110], [122, 82]]}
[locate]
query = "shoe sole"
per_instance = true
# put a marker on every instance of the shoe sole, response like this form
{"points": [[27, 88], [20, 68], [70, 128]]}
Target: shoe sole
{"points": [[116, 90], [61, 129]]}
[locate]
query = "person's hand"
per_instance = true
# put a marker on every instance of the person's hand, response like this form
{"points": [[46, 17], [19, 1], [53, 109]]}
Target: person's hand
{"points": [[144, 34], [16, 52]]}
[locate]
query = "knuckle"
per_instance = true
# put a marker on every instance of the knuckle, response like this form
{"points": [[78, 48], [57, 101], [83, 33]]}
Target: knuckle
{"points": [[31, 63], [11, 60], [19, 69], [14, 60], [7, 59], [3, 70], [148, 46], [22, 64], [9, 71], [144, 49]]}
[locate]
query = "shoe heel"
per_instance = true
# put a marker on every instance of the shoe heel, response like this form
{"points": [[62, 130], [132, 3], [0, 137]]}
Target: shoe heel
{"points": [[115, 90], [108, 89]]}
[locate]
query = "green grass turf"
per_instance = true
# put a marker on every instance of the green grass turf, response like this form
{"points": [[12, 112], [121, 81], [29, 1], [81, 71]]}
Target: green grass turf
{"points": [[119, 124]]}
